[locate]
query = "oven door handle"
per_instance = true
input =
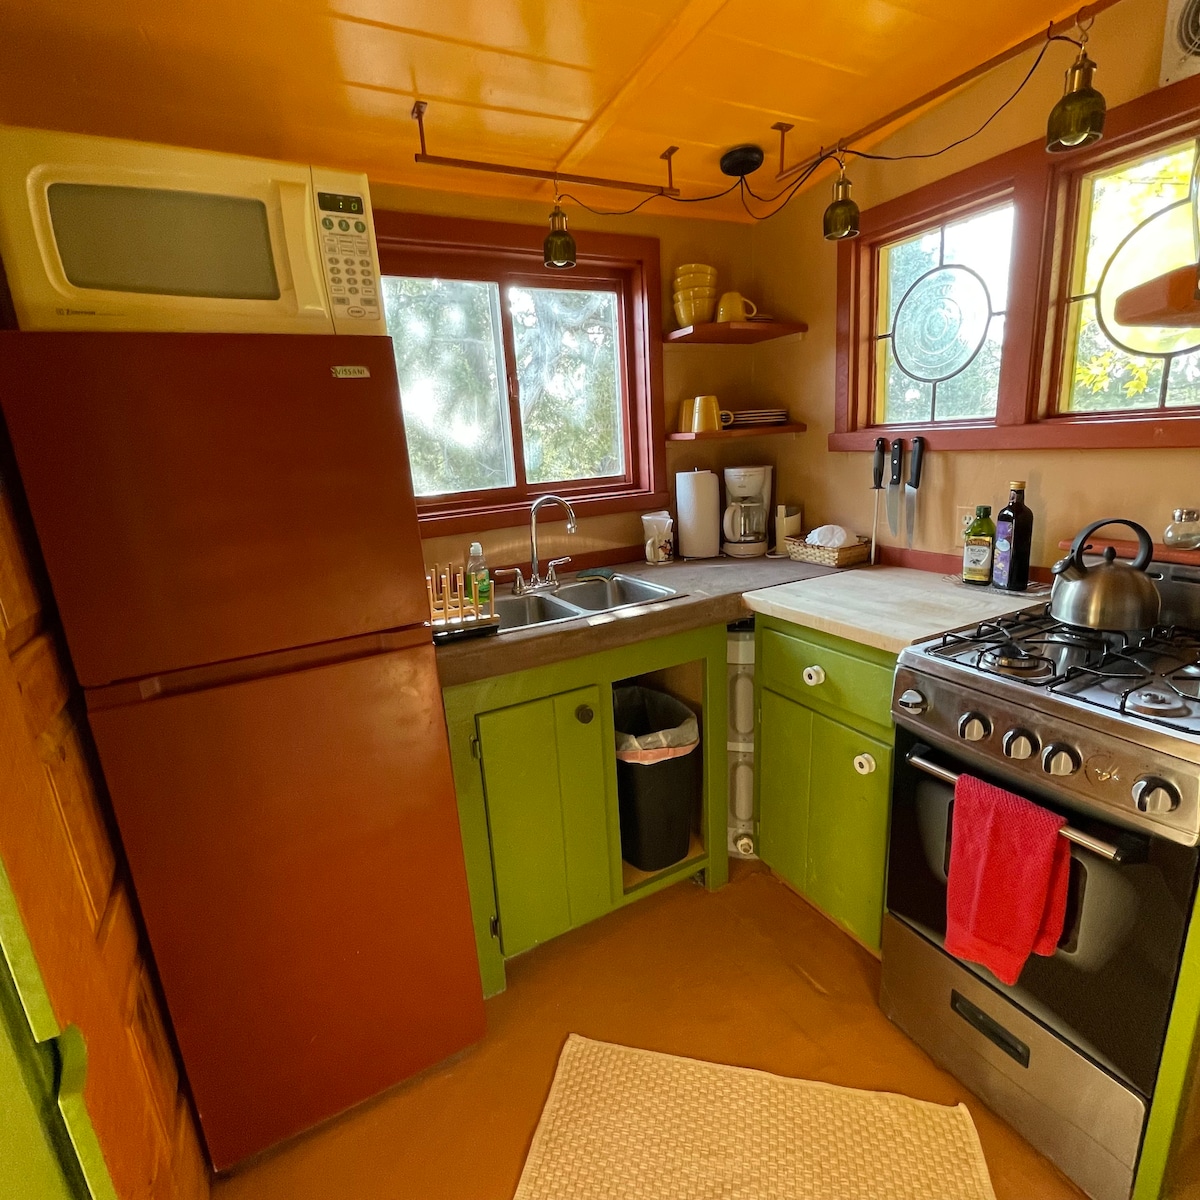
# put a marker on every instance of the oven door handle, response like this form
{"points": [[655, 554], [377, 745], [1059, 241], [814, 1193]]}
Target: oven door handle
{"points": [[1077, 836]]}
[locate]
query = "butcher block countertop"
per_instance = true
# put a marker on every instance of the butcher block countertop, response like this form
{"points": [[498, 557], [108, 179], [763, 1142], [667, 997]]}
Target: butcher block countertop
{"points": [[886, 607]]}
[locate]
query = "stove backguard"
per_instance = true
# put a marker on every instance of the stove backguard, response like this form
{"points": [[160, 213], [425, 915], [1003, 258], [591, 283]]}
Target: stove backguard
{"points": [[1108, 989]]}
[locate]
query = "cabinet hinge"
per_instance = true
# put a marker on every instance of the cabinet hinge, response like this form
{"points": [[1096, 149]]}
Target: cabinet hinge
{"points": [[494, 926], [476, 751]]}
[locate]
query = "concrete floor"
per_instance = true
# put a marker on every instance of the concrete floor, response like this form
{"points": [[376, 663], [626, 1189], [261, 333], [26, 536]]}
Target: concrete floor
{"points": [[749, 975]]}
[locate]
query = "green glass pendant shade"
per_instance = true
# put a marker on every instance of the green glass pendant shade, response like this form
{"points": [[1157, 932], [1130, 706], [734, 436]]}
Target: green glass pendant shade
{"points": [[841, 217], [558, 250], [1077, 119]]}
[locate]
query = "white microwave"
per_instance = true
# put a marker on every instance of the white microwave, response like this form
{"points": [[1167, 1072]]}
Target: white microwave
{"points": [[102, 234]]}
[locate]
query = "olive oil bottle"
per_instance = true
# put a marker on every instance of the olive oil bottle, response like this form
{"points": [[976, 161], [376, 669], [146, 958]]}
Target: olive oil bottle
{"points": [[979, 543]]}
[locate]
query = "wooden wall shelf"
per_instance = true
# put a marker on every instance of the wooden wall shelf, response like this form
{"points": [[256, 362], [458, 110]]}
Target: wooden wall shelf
{"points": [[741, 431], [734, 333]]}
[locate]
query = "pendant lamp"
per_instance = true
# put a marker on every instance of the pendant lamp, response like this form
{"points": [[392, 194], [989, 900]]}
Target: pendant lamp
{"points": [[1077, 119], [841, 217], [558, 250]]}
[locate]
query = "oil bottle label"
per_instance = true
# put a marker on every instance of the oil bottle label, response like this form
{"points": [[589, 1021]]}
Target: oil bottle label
{"points": [[1004, 549], [977, 559]]}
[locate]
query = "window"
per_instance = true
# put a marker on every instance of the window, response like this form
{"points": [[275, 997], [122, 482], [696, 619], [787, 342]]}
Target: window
{"points": [[940, 314], [1136, 222], [1018, 303], [516, 381]]}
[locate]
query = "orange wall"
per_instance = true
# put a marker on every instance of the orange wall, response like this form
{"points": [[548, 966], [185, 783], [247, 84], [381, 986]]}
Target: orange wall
{"points": [[797, 274]]}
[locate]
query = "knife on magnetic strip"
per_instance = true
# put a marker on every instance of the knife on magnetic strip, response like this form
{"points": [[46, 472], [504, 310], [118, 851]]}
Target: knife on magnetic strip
{"points": [[910, 490], [894, 486]]}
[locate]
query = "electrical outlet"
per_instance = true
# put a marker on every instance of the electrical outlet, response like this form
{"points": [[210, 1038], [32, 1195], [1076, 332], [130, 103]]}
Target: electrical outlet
{"points": [[964, 514]]}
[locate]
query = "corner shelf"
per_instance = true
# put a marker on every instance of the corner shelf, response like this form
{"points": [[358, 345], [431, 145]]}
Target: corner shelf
{"points": [[734, 333], [741, 431]]}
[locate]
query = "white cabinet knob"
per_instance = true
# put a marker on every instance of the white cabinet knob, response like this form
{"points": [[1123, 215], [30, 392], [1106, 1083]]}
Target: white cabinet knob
{"points": [[814, 676], [864, 764]]}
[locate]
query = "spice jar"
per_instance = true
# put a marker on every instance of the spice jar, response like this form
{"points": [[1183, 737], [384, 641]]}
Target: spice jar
{"points": [[1183, 533]]}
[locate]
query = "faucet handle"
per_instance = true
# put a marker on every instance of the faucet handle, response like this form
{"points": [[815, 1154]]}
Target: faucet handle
{"points": [[518, 580], [552, 569]]}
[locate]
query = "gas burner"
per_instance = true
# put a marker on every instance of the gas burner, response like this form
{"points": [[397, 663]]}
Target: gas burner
{"points": [[1156, 702], [1011, 659]]}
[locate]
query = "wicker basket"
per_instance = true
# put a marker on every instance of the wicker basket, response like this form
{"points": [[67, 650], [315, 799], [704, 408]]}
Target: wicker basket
{"points": [[827, 556]]}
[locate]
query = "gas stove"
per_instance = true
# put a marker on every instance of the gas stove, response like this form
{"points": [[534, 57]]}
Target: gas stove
{"points": [[1107, 721]]}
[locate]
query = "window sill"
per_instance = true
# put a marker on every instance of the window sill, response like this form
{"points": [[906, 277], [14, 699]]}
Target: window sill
{"points": [[1149, 432], [439, 522]]}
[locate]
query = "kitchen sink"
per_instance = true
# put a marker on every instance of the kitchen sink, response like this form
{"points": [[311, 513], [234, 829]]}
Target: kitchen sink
{"points": [[576, 598], [515, 612], [598, 594]]}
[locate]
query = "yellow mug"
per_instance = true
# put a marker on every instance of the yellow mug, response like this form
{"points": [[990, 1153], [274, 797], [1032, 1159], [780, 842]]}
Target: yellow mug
{"points": [[707, 415], [733, 306]]}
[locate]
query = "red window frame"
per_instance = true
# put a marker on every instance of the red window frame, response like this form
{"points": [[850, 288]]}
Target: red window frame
{"points": [[1045, 191], [494, 251]]}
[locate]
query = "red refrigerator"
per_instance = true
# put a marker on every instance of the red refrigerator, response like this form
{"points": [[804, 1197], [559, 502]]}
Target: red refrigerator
{"points": [[230, 533]]}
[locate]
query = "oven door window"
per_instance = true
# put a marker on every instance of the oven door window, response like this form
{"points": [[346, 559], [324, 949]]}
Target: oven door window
{"points": [[1109, 986], [162, 242]]}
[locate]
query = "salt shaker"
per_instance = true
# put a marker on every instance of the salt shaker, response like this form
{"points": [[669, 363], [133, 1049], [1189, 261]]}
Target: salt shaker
{"points": [[1183, 533]]}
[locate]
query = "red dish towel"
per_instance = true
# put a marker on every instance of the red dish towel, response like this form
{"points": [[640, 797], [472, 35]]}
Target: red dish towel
{"points": [[1007, 892]]}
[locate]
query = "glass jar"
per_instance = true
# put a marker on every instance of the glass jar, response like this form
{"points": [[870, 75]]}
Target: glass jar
{"points": [[1183, 533]]}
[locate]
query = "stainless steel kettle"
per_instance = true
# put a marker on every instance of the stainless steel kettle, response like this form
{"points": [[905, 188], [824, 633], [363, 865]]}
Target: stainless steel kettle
{"points": [[1110, 595]]}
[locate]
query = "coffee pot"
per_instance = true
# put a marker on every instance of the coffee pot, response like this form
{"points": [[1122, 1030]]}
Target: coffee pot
{"points": [[744, 523]]}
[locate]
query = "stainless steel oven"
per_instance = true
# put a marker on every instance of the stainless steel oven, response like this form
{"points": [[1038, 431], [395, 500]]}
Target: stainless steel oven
{"points": [[1070, 1054]]}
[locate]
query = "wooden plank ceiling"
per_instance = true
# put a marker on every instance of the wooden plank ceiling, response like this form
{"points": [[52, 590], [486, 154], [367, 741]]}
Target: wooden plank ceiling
{"points": [[588, 86]]}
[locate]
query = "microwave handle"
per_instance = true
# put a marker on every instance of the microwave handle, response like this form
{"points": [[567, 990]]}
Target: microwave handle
{"points": [[302, 249]]}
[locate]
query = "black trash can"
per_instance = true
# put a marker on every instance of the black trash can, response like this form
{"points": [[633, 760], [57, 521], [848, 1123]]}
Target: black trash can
{"points": [[658, 789]]}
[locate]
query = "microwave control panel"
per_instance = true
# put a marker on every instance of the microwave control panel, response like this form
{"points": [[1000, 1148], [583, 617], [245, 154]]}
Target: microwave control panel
{"points": [[350, 261]]}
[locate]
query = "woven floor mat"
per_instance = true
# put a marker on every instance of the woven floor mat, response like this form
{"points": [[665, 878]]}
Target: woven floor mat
{"points": [[626, 1124]]}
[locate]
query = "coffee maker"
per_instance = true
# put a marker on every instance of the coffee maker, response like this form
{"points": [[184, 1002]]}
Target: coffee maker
{"points": [[744, 523]]}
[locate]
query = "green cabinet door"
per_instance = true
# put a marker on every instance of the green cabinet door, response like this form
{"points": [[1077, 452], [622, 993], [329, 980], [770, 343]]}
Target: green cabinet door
{"points": [[784, 751], [848, 826], [544, 775]]}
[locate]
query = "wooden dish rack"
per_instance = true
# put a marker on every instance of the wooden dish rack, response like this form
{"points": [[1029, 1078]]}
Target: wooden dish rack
{"points": [[455, 607]]}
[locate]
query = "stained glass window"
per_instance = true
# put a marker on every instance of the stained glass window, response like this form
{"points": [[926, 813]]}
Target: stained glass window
{"points": [[1137, 223], [940, 320]]}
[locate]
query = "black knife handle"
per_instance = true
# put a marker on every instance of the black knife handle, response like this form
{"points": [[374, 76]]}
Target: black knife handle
{"points": [[914, 463], [877, 466], [897, 461]]}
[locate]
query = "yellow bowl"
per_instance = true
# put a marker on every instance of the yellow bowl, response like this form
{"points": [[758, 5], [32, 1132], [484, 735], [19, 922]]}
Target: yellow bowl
{"points": [[694, 312], [696, 269], [696, 294], [695, 280]]}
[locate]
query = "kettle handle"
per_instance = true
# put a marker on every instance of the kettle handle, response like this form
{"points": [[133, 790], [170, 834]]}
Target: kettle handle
{"points": [[1145, 542]]}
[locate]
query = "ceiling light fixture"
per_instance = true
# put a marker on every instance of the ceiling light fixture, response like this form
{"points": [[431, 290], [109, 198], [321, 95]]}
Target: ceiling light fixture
{"points": [[1077, 120], [558, 250], [841, 217]]}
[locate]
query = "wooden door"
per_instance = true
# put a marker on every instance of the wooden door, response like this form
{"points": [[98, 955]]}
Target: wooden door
{"points": [[848, 826], [784, 753], [544, 780]]}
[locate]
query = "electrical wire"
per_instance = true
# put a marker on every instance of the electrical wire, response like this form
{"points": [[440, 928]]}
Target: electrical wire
{"points": [[624, 212]]}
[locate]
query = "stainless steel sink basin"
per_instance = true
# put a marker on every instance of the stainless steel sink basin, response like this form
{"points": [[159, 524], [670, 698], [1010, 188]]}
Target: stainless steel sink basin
{"points": [[577, 598], [596, 595], [515, 612]]}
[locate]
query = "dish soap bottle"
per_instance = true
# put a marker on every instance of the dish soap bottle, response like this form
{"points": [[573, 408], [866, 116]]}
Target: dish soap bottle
{"points": [[979, 541], [1014, 537], [478, 580]]}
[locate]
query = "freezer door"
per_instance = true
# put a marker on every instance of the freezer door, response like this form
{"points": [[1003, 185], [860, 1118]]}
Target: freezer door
{"points": [[205, 497], [295, 848]]}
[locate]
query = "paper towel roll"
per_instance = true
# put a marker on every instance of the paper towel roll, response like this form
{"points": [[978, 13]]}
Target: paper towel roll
{"points": [[698, 499]]}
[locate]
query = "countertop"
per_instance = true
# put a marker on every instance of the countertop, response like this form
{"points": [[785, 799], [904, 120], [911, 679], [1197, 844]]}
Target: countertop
{"points": [[712, 595], [887, 607]]}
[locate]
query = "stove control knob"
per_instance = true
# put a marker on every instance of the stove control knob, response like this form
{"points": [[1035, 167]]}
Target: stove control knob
{"points": [[1058, 759], [912, 701], [974, 727], [1020, 744], [1154, 795]]}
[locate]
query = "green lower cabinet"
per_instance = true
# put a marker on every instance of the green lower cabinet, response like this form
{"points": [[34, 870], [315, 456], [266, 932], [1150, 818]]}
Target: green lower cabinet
{"points": [[824, 799], [849, 801], [544, 785], [785, 752]]}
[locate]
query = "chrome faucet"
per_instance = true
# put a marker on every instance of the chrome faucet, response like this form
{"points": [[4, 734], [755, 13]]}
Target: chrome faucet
{"points": [[536, 582]]}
